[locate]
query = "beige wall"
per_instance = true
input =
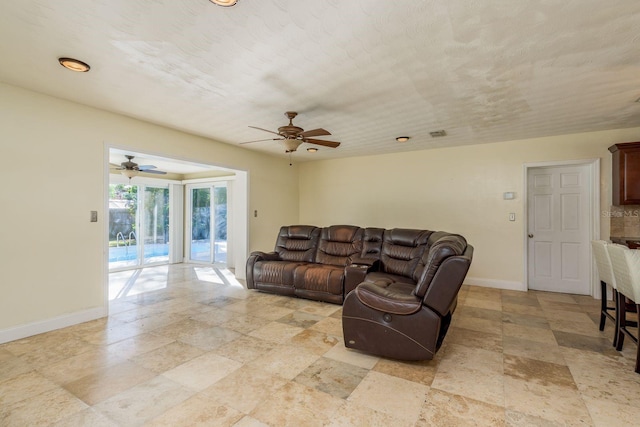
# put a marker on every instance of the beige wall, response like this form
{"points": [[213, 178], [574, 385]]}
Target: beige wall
{"points": [[53, 171], [454, 189], [53, 174]]}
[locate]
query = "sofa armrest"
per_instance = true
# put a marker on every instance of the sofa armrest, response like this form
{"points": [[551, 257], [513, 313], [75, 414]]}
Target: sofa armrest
{"points": [[393, 299], [441, 296], [354, 274], [371, 263], [251, 262], [265, 256]]}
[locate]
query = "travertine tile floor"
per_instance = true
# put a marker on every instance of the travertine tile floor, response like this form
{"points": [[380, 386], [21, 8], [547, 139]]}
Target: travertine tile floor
{"points": [[199, 349]]}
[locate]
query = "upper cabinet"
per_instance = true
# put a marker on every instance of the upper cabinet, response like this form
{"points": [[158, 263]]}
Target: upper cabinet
{"points": [[626, 173]]}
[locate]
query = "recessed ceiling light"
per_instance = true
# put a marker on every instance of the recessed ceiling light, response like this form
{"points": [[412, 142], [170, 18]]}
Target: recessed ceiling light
{"points": [[312, 149], [403, 138], [438, 133], [74, 65], [224, 3]]}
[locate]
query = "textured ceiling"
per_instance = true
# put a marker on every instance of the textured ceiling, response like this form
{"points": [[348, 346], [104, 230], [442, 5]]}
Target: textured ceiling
{"points": [[366, 70]]}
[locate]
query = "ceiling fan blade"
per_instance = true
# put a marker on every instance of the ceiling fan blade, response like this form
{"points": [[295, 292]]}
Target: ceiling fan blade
{"points": [[260, 140], [154, 171], [146, 167], [266, 130], [315, 132], [331, 144]]}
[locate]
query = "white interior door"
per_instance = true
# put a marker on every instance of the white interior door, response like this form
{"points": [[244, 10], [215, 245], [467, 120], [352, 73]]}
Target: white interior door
{"points": [[558, 229]]}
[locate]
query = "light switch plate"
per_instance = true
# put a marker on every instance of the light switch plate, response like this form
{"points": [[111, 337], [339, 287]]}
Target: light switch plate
{"points": [[94, 216], [512, 216]]}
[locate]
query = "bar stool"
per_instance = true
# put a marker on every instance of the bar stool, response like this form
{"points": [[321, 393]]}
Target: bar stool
{"points": [[605, 273], [626, 270]]}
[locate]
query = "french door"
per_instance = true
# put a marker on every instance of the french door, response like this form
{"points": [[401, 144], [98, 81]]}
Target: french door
{"points": [[138, 225], [207, 226]]}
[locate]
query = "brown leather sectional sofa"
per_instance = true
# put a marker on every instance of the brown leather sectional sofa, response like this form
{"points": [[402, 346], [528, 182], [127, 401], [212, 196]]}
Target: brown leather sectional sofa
{"points": [[399, 287]]}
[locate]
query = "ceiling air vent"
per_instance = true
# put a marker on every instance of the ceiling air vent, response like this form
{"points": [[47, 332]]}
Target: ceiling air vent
{"points": [[438, 133]]}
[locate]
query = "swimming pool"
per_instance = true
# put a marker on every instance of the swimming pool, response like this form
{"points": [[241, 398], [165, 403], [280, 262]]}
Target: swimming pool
{"points": [[200, 251]]}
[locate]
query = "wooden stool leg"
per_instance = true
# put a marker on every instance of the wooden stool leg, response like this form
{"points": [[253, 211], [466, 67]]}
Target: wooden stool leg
{"points": [[621, 317], [616, 327], [603, 304], [638, 350]]}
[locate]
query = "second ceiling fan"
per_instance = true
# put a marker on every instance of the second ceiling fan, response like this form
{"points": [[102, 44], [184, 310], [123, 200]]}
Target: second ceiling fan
{"points": [[293, 135]]}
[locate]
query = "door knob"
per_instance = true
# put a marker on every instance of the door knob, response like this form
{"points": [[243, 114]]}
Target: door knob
{"points": [[530, 235]]}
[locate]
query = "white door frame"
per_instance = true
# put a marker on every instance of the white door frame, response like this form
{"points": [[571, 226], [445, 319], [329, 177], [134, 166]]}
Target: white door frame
{"points": [[240, 196], [594, 211]]}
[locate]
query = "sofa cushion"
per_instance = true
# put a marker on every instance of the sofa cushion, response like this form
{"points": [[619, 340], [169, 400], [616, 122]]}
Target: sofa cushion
{"points": [[372, 243], [277, 272], [394, 298], [297, 243], [377, 276], [338, 244], [319, 278], [402, 250]]}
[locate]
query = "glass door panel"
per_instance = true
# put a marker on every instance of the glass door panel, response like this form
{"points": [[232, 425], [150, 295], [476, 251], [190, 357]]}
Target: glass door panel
{"points": [[220, 220], [156, 225], [123, 214], [201, 225], [138, 225]]}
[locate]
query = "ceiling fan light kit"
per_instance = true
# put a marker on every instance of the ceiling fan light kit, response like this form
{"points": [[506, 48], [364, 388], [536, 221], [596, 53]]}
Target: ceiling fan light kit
{"points": [[292, 136], [291, 144], [129, 173]]}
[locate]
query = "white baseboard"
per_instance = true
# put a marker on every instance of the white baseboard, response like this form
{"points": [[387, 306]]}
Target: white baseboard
{"points": [[59, 322], [498, 284]]}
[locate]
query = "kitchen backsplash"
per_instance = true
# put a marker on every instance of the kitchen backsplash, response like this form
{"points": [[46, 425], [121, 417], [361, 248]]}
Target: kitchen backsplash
{"points": [[625, 220]]}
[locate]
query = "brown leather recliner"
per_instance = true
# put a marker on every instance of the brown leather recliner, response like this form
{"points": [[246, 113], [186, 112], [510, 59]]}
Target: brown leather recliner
{"points": [[391, 255], [273, 271], [308, 262], [392, 317], [324, 279]]}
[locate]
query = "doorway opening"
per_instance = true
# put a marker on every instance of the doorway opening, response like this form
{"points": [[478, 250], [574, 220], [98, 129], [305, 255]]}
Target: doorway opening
{"points": [[151, 218]]}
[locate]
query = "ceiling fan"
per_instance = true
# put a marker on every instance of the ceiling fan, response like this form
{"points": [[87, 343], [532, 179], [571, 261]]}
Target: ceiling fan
{"points": [[293, 136], [131, 169]]}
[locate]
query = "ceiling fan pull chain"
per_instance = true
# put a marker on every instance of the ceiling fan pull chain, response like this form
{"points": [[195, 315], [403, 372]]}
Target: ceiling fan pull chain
{"points": [[290, 163]]}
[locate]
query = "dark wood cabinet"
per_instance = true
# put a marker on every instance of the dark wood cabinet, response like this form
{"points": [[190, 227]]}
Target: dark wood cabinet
{"points": [[631, 243], [626, 173]]}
